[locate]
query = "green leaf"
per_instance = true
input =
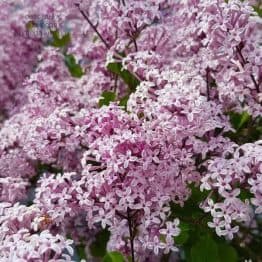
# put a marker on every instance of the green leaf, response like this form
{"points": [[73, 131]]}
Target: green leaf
{"points": [[106, 98], [191, 207], [123, 101], [74, 68], [205, 250], [258, 10], [182, 238], [238, 121], [248, 130], [113, 257], [245, 117], [98, 247], [80, 250], [124, 74], [58, 41], [245, 194], [42, 168], [129, 79], [227, 253]]}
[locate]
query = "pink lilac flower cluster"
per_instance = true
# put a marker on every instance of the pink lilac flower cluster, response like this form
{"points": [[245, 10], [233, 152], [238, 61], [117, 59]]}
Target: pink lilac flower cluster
{"points": [[22, 240], [119, 167], [237, 165]]}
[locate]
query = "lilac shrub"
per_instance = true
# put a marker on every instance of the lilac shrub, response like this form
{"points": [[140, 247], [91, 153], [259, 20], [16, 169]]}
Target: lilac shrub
{"points": [[130, 130]]}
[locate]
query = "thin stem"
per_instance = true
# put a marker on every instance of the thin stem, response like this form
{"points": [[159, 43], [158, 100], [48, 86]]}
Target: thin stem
{"points": [[243, 62], [135, 44], [93, 26], [255, 83], [133, 38], [207, 83], [131, 233], [115, 83], [84, 147], [136, 36], [121, 215]]}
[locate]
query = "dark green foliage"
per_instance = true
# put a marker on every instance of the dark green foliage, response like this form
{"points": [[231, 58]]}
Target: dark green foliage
{"points": [[211, 250], [42, 168], [123, 101], [239, 121], [62, 42], [245, 194], [80, 250], [128, 78], [98, 247], [258, 10], [184, 234], [131, 81], [58, 41], [198, 242], [74, 68], [247, 129], [191, 208], [106, 98], [227, 253], [113, 257], [204, 250]]}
